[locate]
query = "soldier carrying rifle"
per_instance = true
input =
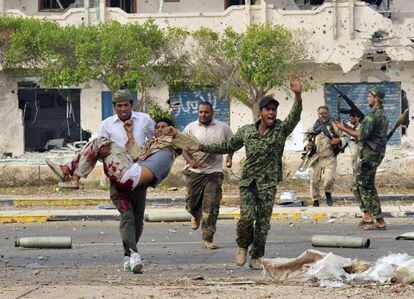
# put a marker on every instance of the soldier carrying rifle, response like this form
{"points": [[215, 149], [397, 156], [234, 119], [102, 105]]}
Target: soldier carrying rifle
{"points": [[372, 137]]}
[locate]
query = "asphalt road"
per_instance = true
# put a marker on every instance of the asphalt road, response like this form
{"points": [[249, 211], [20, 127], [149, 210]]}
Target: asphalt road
{"points": [[172, 251]]}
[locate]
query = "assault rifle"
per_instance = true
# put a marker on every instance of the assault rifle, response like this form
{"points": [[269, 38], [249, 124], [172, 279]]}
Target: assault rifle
{"points": [[307, 155], [361, 116]]}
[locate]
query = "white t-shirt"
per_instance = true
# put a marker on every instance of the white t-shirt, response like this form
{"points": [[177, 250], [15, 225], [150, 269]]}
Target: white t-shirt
{"points": [[113, 128], [216, 132]]}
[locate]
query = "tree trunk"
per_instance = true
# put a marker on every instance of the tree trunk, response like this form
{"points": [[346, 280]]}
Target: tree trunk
{"points": [[255, 111]]}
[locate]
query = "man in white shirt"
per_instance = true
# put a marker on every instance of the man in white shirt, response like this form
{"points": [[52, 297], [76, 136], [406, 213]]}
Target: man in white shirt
{"points": [[205, 173], [132, 220]]}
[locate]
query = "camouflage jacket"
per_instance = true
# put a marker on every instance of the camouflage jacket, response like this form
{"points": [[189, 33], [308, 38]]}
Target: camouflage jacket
{"points": [[373, 129], [263, 163]]}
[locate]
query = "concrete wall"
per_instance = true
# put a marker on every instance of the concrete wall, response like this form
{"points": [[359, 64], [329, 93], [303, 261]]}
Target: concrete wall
{"points": [[12, 131], [401, 9], [333, 39], [91, 106], [151, 6]]}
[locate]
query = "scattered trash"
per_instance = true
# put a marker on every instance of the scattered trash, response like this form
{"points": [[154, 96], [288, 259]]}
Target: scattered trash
{"points": [[172, 230], [291, 269], [406, 236], [197, 277], [107, 206], [54, 144], [405, 272], [332, 220], [44, 242], [383, 270], [331, 284], [339, 241], [335, 271], [173, 189], [287, 197], [330, 267], [358, 266]]}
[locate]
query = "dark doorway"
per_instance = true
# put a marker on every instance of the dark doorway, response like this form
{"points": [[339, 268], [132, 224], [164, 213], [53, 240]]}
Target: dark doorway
{"points": [[128, 6], [49, 114], [237, 2], [54, 4]]}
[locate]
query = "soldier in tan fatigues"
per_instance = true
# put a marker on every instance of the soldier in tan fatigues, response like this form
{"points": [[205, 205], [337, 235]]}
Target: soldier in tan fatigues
{"points": [[322, 167], [354, 123]]}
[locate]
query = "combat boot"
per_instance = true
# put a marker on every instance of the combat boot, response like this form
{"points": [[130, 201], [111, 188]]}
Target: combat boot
{"points": [[195, 223], [255, 264], [241, 256], [209, 245]]}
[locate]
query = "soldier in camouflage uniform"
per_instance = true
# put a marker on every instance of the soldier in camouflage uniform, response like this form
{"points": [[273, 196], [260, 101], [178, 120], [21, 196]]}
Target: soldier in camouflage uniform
{"points": [[264, 143], [372, 136]]}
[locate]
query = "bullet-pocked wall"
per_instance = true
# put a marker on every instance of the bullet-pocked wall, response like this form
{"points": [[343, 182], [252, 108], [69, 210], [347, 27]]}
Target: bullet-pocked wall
{"points": [[335, 41], [11, 121]]}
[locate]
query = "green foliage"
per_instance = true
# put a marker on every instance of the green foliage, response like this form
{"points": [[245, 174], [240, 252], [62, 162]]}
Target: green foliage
{"points": [[132, 56], [156, 112], [246, 65]]}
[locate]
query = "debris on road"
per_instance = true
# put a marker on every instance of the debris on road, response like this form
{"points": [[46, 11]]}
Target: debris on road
{"points": [[406, 236], [339, 241], [198, 277], [44, 242], [335, 271]]}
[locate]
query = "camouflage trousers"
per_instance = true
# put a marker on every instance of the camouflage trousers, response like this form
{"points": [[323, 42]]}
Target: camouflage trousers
{"points": [[204, 195], [363, 187], [256, 206], [116, 162]]}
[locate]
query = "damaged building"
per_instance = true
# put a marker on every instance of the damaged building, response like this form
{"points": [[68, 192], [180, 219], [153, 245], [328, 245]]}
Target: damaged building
{"points": [[356, 43]]}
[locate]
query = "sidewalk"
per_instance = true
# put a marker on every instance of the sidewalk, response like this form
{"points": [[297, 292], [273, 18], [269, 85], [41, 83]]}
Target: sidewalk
{"points": [[281, 213]]}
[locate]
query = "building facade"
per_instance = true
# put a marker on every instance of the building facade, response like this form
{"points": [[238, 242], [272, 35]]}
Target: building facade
{"points": [[356, 44]]}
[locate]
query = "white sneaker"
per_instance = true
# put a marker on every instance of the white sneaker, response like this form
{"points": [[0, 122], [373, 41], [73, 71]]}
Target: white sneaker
{"points": [[127, 264], [135, 262]]}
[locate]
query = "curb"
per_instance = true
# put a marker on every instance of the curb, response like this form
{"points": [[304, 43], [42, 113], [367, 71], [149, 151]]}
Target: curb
{"points": [[83, 202], [78, 202], [228, 216]]}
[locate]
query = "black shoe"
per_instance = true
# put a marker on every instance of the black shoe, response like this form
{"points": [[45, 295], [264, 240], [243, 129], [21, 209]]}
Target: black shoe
{"points": [[329, 199], [316, 203]]}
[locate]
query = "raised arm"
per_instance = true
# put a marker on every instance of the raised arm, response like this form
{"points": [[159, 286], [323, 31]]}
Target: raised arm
{"points": [[293, 118]]}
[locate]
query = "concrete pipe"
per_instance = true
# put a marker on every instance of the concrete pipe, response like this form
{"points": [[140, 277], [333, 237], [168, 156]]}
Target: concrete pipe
{"points": [[44, 242], [339, 241], [406, 236], [176, 216]]}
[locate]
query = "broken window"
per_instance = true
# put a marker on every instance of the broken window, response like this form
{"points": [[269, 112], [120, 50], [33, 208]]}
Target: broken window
{"points": [[129, 6], [55, 4], [237, 2], [51, 117]]}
